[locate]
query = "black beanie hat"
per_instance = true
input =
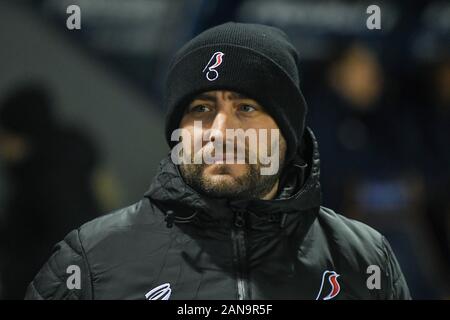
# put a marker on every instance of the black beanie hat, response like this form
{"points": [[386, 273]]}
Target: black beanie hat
{"points": [[255, 60]]}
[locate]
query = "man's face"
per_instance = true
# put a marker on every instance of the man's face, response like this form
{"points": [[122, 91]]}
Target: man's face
{"points": [[222, 112]]}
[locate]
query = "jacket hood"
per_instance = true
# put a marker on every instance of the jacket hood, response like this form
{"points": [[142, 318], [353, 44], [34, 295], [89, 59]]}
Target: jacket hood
{"points": [[299, 191]]}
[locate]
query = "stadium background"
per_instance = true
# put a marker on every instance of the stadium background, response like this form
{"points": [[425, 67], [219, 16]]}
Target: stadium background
{"points": [[379, 103]]}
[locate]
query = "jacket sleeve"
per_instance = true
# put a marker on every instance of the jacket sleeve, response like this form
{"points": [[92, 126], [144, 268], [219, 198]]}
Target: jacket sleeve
{"points": [[65, 276], [397, 286]]}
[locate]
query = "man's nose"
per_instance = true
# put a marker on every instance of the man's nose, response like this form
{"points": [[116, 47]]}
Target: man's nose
{"points": [[222, 121]]}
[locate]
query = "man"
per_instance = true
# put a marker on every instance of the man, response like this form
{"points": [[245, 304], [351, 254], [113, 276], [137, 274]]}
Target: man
{"points": [[48, 166], [210, 228]]}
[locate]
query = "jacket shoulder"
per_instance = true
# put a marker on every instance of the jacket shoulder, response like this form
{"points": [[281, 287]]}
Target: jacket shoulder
{"points": [[361, 244], [94, 247], [52, 280], [358, 248], [137, 216], [349, 232]]}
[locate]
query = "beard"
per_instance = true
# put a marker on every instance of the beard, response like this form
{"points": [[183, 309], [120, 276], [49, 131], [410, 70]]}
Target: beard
{"points": [[250, 184]]}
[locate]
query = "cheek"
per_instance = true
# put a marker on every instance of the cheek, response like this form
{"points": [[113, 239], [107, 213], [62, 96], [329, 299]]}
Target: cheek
{"points": [[269, 137], [275, 141], [283, 147], [193, 139], [186, 122], [187, 138]]}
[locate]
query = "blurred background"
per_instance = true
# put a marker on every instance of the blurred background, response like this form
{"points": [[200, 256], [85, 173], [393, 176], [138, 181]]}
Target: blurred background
{"points": [[81, 116]]}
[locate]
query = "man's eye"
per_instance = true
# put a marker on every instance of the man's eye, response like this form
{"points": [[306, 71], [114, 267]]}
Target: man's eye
{"points": [[200, 108], [246, 108]]}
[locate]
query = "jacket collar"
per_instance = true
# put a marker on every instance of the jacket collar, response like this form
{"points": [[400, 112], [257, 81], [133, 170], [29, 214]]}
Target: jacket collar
{"points": [[300, 192]]}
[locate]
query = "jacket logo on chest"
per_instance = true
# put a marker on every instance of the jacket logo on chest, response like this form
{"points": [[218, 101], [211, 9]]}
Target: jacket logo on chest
{"points": [[161, 292], [330, 287]]}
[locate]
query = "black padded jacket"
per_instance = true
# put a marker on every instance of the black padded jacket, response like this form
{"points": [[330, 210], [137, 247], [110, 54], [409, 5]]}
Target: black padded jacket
{"points": [[177, 244]]}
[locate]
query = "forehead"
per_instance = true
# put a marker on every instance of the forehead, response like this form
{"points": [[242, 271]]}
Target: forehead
{"points": [[220, 94]]}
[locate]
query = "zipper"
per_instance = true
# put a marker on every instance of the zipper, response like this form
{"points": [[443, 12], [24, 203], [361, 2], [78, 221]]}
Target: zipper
{"points": [[240, 255]]}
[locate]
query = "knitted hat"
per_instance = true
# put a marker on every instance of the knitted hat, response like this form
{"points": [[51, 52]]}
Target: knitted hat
{"points": [[254, 60]]}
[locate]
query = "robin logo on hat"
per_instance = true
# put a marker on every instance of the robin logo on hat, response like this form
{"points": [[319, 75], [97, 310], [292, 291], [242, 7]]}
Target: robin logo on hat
{"points": [[213, 63]]}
